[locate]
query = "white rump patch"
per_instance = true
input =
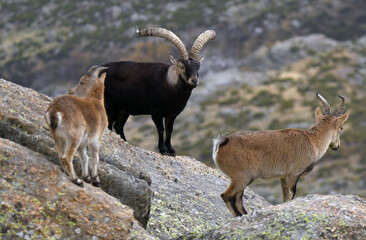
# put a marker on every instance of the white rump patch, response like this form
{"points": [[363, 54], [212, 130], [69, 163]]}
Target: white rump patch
{"points": [[216, 142], [48, 120], [59, 118]]}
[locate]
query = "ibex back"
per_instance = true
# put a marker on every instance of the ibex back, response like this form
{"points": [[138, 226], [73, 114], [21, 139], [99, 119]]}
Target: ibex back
{"points": [[286, 154], [77, 121]]}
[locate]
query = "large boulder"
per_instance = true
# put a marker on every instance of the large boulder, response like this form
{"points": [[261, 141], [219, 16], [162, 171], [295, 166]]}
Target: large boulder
{"points": [[37, 201], [22, 121], [310, 217]]}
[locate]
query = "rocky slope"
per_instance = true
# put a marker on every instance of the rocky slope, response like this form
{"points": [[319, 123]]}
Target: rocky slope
{"points": [[311, 217], [176, 198], [38, 201]]}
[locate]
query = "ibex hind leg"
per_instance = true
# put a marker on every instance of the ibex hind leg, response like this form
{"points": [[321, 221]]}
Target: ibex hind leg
{"points": [[239, 198], [61, 150], [239, 202], [233, 198], [120, 123], [69, 167]]}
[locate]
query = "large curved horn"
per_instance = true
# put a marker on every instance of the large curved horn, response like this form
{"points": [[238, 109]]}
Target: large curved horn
{"points": [[201, 40], [340, 110], [168, 35], [325, 104]]}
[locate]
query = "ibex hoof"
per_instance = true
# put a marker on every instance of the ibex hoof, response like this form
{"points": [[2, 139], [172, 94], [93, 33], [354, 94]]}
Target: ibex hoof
{"points": [[78, 182], [164, 153], [95, 181], [87, 179], [172, 154]]}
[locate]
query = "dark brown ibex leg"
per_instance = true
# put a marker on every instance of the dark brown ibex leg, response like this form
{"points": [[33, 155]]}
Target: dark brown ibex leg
{"points": [[120, 123], [169, 121], [158, 120]]}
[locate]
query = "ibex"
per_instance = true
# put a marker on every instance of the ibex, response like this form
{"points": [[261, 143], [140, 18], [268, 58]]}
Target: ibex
{"points": [[77, 121], [286, 154], [156, 89]]}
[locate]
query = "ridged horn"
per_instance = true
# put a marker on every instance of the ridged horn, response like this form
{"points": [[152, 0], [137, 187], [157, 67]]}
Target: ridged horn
{"points": [[201, 40], [325, 104], [340, 110], [166, 34], [94, 72]]}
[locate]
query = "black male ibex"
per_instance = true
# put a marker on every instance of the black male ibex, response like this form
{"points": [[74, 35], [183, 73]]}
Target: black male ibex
{"points": [[156, 89], [77, 121], [286, 154]]}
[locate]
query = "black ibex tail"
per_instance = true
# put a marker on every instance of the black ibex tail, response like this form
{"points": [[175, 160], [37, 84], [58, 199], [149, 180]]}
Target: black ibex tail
{"points": [[54, 119]]}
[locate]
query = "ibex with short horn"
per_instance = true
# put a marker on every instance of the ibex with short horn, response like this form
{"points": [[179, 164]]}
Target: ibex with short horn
{"points": [[286, 154], [156, 89], [77, 121]]}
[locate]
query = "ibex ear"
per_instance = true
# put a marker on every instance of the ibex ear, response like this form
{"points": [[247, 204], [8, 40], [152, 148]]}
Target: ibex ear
{"points": [[318, 114], [102, 78], [342, 119], [172, 59], [201, 59]]}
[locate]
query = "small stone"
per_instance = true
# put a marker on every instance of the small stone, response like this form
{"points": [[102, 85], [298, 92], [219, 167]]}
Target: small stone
{"points": [[20, 234]]}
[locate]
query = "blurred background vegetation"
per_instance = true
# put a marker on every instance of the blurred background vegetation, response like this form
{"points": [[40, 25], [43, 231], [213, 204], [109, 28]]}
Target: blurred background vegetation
{"points": [[262, 71]]}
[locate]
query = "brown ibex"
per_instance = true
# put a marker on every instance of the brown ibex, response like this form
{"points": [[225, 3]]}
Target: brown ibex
{"points": [[77, 121], [286, 154]]}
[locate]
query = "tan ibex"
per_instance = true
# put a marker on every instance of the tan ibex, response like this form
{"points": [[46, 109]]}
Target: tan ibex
{"points": [[286, 154], [77, 121]]}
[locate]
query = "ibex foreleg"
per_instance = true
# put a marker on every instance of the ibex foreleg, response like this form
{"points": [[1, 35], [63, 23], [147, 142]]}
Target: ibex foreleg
{"points": [[94, 149]]}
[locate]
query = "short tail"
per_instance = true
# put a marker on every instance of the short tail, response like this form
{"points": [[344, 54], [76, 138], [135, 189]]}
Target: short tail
{"points": [[218, 141], [53, 119]]}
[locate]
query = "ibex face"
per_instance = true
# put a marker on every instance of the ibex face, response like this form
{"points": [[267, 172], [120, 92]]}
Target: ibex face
{"points": [[87, 85], [189, 63], [334, 121], [187, 70]]}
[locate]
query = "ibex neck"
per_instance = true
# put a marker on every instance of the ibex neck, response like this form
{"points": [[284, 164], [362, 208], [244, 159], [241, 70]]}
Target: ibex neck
{"points": [[320, 138], [97, 93], [172, 76]]}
